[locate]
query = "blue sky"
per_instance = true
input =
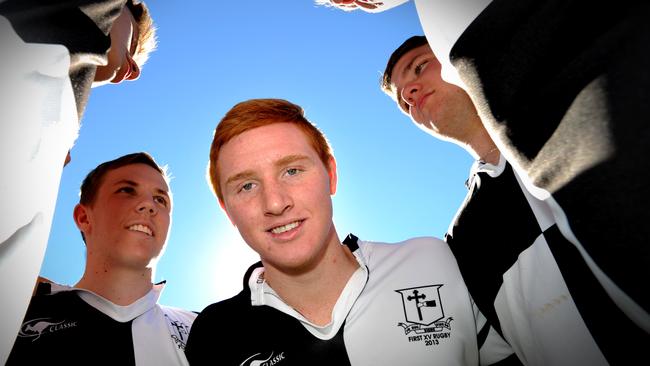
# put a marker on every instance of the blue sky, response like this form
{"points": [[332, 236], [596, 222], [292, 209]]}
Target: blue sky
{"points": [[395, 181]]}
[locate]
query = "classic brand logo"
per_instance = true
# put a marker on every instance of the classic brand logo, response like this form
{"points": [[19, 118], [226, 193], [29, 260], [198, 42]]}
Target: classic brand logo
{"points": [[424, 315], [35, 328], [257, 360]]}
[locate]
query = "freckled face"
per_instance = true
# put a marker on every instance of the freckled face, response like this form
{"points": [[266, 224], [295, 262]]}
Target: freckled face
{"points": [[277, 191]]}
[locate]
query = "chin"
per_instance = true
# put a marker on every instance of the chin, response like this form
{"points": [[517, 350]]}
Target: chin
{"points": [[97, 83], [104, 78]]}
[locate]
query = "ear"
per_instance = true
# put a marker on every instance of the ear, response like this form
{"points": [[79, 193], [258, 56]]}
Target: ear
{"points": [[81, 219], [223, 207], [331, 172]]}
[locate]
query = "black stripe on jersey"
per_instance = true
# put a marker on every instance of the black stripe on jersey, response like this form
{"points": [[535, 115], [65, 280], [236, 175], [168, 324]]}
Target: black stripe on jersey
{"points": [[621, 341], [492, 227], [482, 335], [233, 332]]}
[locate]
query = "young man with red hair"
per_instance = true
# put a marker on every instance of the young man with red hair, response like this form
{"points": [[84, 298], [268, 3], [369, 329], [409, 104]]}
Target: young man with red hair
{"points": [[314, 300]]}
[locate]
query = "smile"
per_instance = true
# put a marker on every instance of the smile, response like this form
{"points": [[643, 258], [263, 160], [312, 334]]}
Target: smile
{"points": [[285, 228], [141, 228]]}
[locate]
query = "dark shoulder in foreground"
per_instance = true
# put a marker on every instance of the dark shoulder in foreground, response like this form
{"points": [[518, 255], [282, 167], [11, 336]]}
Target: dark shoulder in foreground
{"points": [[220, 320]]}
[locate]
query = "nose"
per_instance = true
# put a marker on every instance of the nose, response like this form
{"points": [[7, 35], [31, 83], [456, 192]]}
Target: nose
{"points": [[276, 200], [410, 93], [67, 159], [134, 69], [147, 205]]}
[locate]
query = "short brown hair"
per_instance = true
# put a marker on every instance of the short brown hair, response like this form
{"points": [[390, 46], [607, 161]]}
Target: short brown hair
{"points": [[255, 113], [409, 44], [94, 179], [147, 41]]}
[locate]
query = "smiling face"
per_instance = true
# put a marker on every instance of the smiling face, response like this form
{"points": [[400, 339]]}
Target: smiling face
{"points": [[440, 108], [124, 39], [128, 222], [277, 192]]}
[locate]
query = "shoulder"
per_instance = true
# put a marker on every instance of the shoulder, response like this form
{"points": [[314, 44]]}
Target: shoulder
{"points": [[51, 296], [424, 249], [426, 243], [175, 313], [232, 318], [225, 309]]}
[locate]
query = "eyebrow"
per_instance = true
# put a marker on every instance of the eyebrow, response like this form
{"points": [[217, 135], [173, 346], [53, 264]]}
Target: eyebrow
{"points": [[409, 65], [135, 184], [290, 159], [246, 174]]}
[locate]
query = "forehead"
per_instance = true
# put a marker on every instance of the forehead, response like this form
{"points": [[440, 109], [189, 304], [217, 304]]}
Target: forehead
{"points": [[135, 35], [139, 173], [405, 63], [261, 145]]}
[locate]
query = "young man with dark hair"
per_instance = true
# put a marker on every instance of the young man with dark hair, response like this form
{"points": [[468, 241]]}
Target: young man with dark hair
{"points": [[124, 215], [562, 87], [511, 273], [51, 54], [314, 300]]}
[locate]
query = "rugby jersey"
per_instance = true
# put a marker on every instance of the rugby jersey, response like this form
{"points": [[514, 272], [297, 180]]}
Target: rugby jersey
{"points": [[405, 305], [529, 281], [563, 87], [77, 327]]}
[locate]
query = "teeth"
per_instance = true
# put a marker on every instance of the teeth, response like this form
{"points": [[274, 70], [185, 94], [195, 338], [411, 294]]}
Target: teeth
{"points": [[141, 228], [287, 227]]}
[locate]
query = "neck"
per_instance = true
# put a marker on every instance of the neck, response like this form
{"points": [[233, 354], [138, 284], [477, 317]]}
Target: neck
{"points": [[121, 286], [491, 156], [483, 148], [314, 293]]}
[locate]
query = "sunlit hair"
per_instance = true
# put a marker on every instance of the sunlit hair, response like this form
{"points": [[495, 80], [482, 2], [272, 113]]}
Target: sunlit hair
{"points": [[147, 40], [94, 179], [386, 80], [255, 113]]}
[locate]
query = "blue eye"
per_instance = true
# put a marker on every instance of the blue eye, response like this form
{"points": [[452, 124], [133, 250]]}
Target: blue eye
{"points": [[246, 186], [292, 171]]}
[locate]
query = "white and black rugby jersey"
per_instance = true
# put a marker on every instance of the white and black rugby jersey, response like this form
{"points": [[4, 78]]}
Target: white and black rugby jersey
{"points": [[406, 305], [530, 282], [77, 327]]}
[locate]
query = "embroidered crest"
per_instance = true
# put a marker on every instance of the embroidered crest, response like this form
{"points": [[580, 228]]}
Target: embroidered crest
{"points": [[424, 315]]}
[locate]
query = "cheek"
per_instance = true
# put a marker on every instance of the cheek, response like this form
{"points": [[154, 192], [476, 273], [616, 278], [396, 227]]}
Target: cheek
{"points": [[116, 58], [167, 221], [241, 215]]}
